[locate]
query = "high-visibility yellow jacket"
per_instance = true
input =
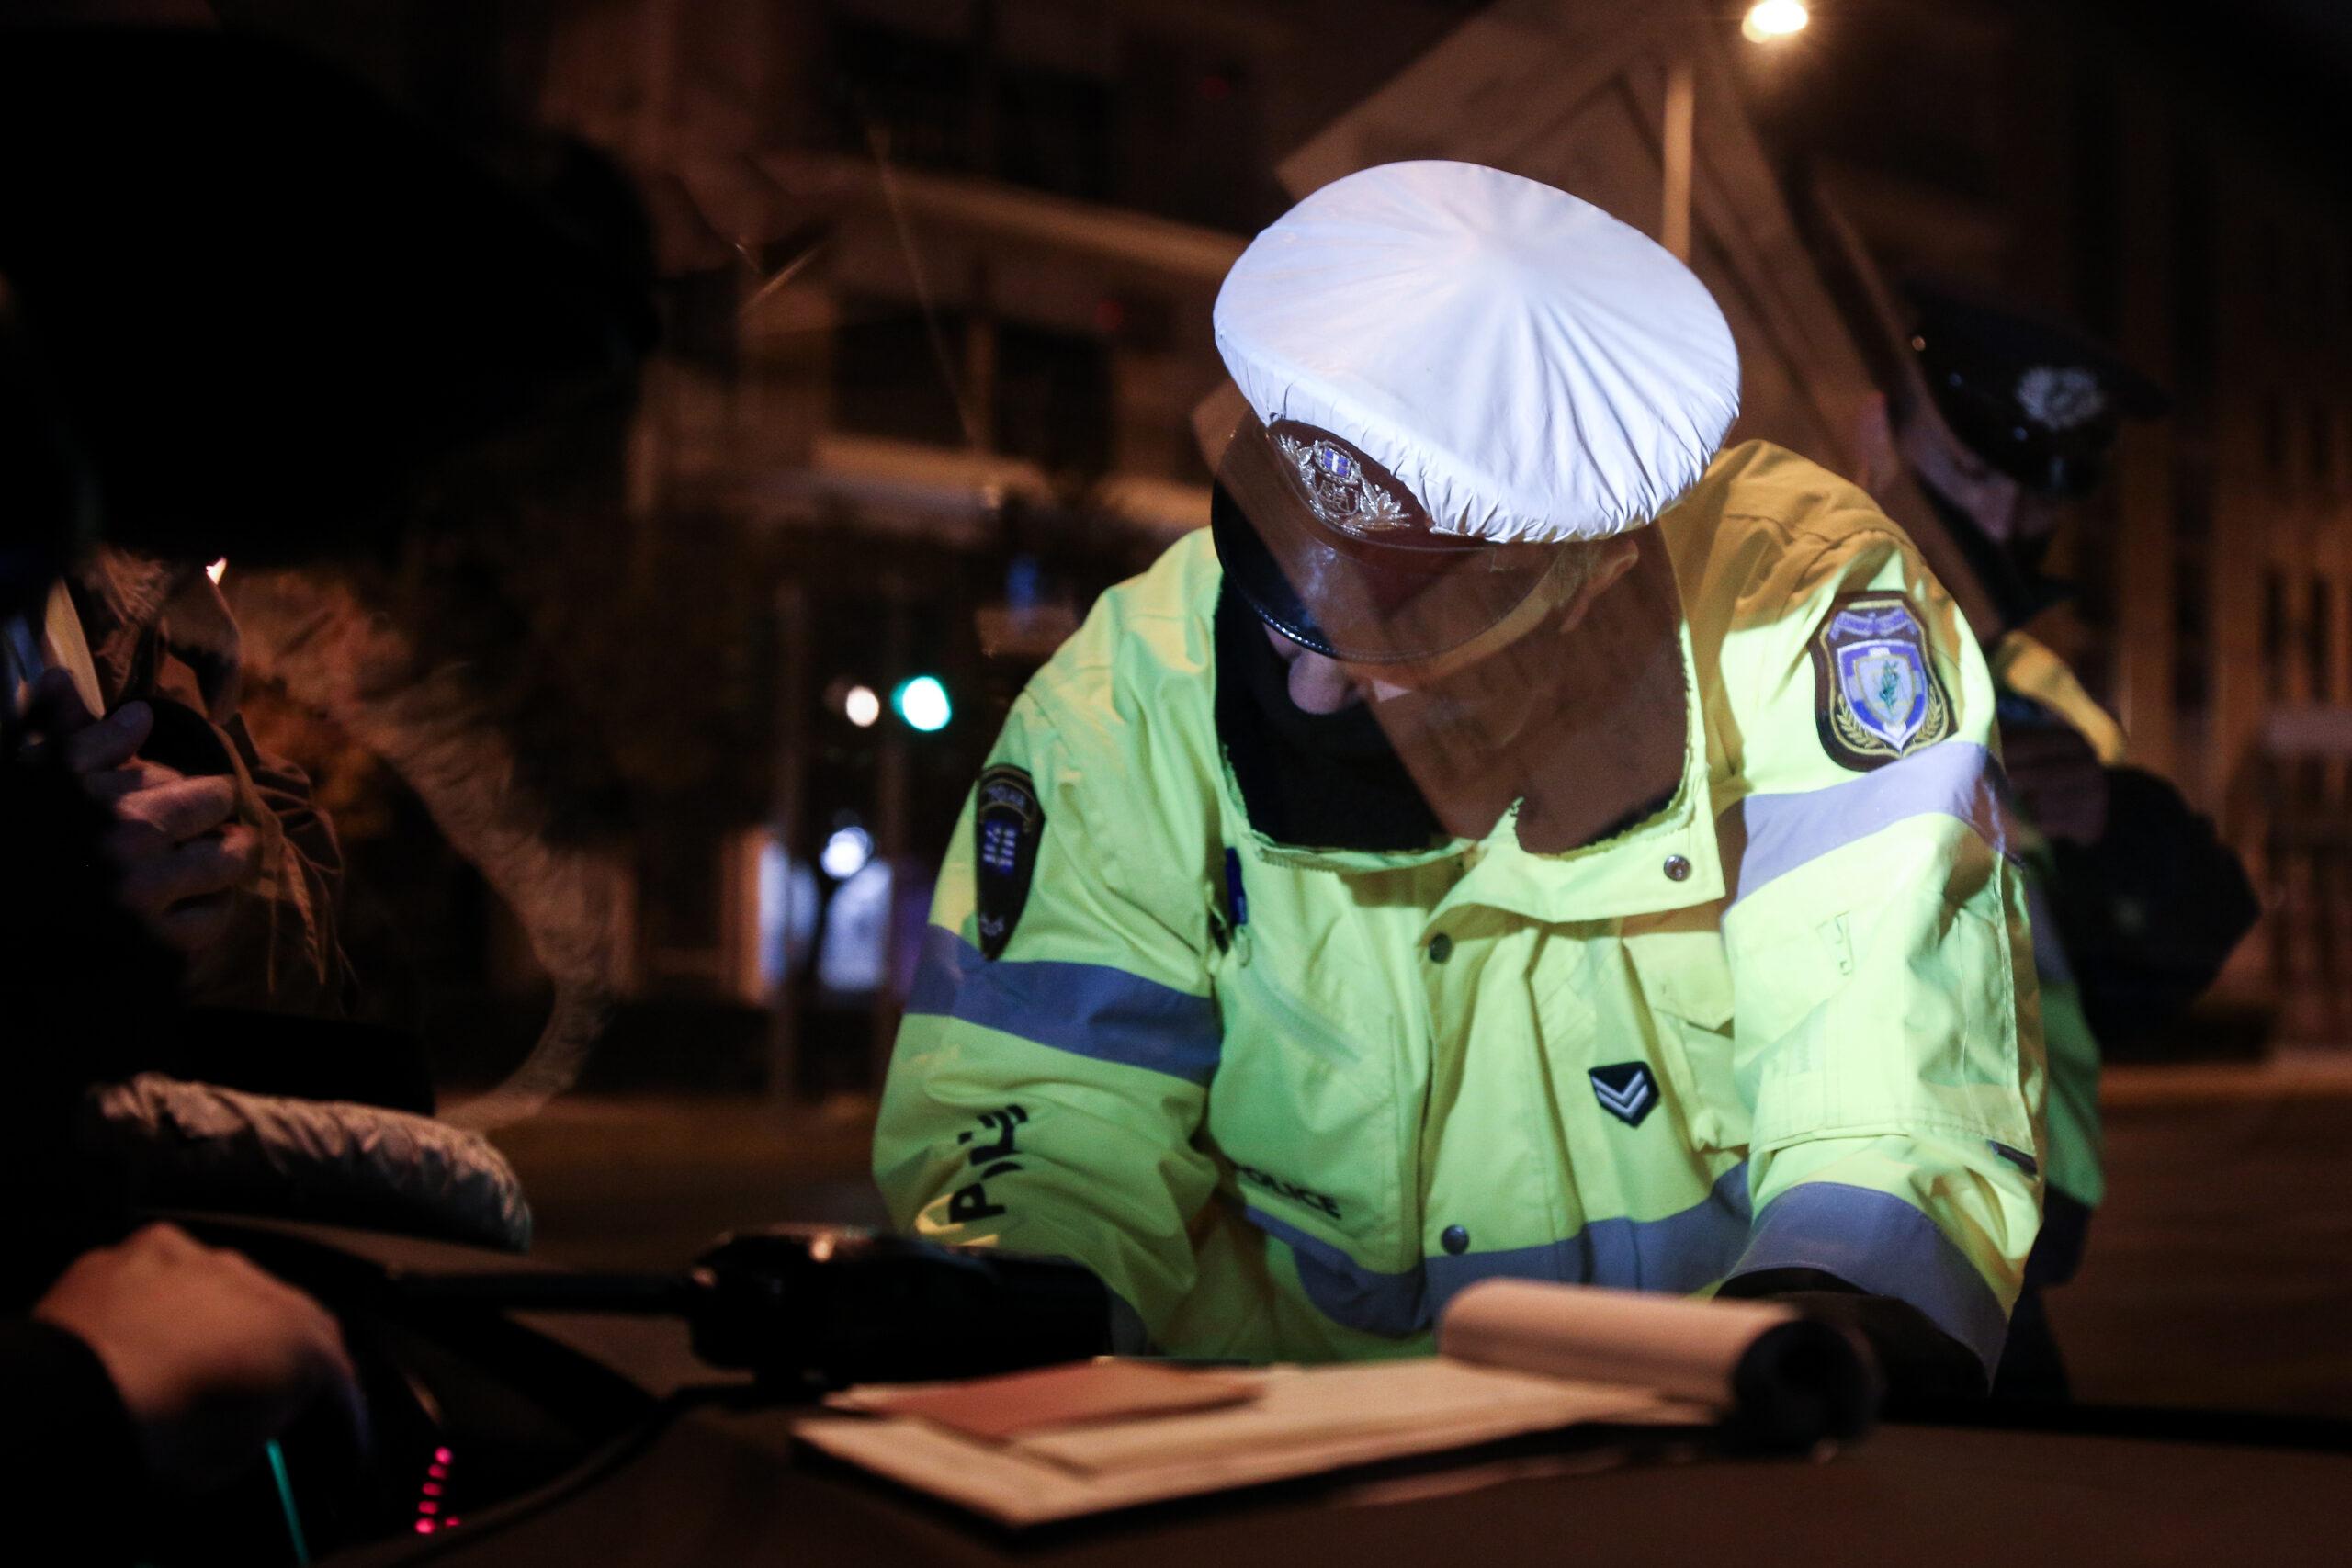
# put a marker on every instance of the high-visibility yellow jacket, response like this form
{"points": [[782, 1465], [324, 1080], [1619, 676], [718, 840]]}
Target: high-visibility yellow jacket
{"points": [[2075, 1165], [2031, 668], [1789, 1022]]}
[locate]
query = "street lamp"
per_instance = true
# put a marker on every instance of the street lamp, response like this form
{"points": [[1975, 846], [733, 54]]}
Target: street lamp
{"points": [[846, 852], [1767, 22]]}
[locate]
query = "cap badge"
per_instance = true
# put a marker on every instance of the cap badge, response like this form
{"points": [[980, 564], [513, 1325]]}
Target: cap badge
{"points": [[2060, 396], [1340, 493]]}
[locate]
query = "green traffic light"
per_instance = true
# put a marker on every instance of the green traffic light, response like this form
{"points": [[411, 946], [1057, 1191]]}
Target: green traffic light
{"points": [[923, 702]]}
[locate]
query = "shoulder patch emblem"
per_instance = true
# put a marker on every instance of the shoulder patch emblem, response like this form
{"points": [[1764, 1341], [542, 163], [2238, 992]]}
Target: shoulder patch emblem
{"points": [[1875, 695], [1007, 824]]}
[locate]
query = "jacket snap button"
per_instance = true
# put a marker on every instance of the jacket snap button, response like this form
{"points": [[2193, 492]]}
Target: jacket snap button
{"points": [[1676, 869], [1440, 948], [1454, 1239]]}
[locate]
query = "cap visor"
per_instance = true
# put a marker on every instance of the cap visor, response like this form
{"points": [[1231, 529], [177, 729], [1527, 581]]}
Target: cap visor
{"points": [[1362, 600]]}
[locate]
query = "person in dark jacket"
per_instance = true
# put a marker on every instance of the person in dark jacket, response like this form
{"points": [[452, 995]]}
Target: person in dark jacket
{"points": [[2137, 901]]}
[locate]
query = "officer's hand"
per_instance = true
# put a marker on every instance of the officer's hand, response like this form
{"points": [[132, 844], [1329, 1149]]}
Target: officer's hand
{"points": [[175, 842], [212, 1357], [2058, 781]]}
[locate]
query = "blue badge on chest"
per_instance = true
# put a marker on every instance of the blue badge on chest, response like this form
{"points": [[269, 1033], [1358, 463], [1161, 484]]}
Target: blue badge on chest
{"points": [[1007, 824], [1876, 698], [1626, 1089]]}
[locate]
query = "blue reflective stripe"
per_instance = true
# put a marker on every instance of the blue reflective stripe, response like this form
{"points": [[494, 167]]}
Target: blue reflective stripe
{"points": [[1680, 1252], [1957, 778], [1089, 1009], [1345, 1291], [1876, 1242]]}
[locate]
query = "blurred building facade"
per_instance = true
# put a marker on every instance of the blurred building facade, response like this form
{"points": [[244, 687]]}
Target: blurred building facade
{"points": [[939, 278], [936, 276]]}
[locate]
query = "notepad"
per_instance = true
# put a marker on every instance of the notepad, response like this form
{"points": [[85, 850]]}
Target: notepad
{"points": [[1055, 1399]]}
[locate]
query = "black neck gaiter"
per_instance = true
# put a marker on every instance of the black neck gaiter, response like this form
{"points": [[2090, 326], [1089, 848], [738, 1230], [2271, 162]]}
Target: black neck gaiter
{"points": [[1318, 780]]}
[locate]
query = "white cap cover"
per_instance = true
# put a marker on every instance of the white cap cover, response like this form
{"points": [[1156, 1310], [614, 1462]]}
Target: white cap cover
{"points": [[1532, 367]]}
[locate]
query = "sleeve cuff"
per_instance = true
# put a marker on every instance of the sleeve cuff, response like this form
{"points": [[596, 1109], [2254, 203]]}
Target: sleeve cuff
{"points": [[1883, 1246]]}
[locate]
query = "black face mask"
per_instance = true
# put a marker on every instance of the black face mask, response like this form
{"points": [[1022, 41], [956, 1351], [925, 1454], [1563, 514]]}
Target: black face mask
{"points": [[1328, 781], [1350, 735]]}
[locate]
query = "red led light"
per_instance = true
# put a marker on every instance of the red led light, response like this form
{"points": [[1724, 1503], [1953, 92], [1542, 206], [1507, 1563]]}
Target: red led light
{"points": [[429, 1506], [440, 1456], [425, 1526], [436, 1471], [452, 1522], [433, 1489]]}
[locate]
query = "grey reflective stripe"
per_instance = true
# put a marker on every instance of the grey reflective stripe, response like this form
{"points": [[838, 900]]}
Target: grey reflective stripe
{"points": [[1087, 1010], [1682, 1252], [1879, 1244], [1345, 1291], [1957, 778]]}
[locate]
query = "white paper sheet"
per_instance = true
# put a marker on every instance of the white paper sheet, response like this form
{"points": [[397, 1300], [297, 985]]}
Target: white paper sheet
{"points": [[1307, 1420]]}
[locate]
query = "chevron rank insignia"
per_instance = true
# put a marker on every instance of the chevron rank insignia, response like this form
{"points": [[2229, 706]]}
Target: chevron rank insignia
{"points": [[1626, 1091]]}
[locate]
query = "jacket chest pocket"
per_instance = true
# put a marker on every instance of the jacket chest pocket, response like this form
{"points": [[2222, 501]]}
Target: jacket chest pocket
{"points": [[1685, 979], [1306, 1107]]}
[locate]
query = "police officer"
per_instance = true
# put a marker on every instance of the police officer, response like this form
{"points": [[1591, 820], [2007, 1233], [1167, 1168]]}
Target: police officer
{"points": [[1513, 840], [2136, 901]]}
